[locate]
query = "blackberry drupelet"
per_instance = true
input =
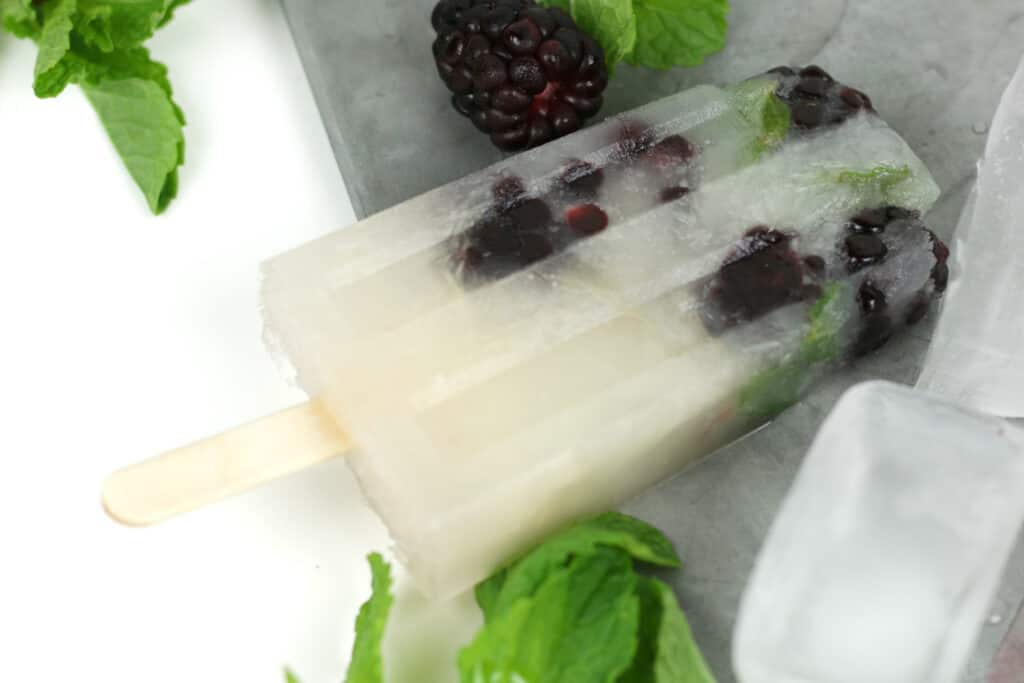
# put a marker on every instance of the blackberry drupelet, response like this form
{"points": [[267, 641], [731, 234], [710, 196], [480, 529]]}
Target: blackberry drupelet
{"points": [[815, 99], [523, 74]]}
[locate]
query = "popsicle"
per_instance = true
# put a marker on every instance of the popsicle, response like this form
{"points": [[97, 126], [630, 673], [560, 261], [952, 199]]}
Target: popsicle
{"points": [[544, 339]]}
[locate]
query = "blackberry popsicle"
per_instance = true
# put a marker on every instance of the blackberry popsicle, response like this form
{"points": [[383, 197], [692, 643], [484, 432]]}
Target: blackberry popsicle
{"points": [[543, 339]]}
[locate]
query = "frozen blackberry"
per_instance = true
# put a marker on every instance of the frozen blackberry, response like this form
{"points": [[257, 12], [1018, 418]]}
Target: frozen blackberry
{"points": [[523, 74], [815, 99], [761, 274]]}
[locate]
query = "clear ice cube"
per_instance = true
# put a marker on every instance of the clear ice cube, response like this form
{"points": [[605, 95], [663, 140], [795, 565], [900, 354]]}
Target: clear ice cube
{"points": [[889, 547], [976, 356]]}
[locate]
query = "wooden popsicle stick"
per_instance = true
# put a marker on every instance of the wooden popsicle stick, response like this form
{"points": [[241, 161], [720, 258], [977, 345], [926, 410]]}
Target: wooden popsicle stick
{"points": [[237, 460]]}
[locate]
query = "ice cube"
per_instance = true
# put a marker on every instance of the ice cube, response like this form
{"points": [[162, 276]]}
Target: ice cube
{"points": [[888, 548], [976, 356]]}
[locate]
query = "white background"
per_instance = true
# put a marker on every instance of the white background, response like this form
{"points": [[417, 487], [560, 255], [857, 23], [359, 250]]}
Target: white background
{"points": [[123, 335]]}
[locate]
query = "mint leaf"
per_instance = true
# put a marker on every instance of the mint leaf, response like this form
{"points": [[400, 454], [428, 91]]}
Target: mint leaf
{"points": [[758, 104], [110, 25], [636, 538], [612, 23], [366, 665], [289, 677], [145, 126], [98, 44], [667, 652], [19, 18], [677, 32], [580, 625], [771, 391], [52, 73], [882, 179]]}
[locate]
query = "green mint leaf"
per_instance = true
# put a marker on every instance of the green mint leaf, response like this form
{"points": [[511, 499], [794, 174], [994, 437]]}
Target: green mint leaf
{"points": [[289, 677], [636, 538], [761, 108], [145, 126], [169, 12], [52, 72], [118, 25], [667, 652], [882, 181], [677, 32], [19, 18], [612, 23], [366, 665], [771, 391], [580, 625]]}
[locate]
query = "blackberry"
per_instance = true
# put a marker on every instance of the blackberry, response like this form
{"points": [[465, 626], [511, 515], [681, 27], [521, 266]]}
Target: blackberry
{"points": [[815, 99], [523, 74], [761, 274]]}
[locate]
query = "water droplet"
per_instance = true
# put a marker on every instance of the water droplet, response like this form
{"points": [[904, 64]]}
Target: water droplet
{"points": [[980, 127], [995, 619]]}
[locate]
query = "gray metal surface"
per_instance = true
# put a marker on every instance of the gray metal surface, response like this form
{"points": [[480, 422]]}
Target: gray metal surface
{"points": [[935, 70]]}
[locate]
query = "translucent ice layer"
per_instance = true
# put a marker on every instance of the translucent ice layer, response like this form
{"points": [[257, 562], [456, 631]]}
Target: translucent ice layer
{"points": [[889, 547], [977, 356], [544, 339]]}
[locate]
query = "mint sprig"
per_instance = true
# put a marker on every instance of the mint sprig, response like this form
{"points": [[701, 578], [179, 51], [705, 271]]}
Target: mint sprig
{"points": [[771, 391], [574, 608], [764, 111], [613, 625], [366, 665], [658, 34], [99, 45]]}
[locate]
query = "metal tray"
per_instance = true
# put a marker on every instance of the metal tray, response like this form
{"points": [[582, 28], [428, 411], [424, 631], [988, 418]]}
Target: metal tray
{"points": [[935, 70]]}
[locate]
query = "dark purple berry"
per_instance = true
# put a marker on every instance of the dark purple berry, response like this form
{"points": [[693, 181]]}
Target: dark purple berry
{"points": [[870, 298], [815, 71], [586, 220], [760, 275], [541, 131], [527, 73], [864, 250], [534, 247], [508, 190], [564, 119], [585, 106], [808, 114], [671, 194], [870, 220], [918, 308], [572, 42], [511, 99], [489, 73], [582, 179], [940, 276], [542, 19], [555, 58], [511, 140], [532, 73], [855, 99], [815, 264], [634, 138], [672, 151], [529, 215], [813, 86], [522, 37]]}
